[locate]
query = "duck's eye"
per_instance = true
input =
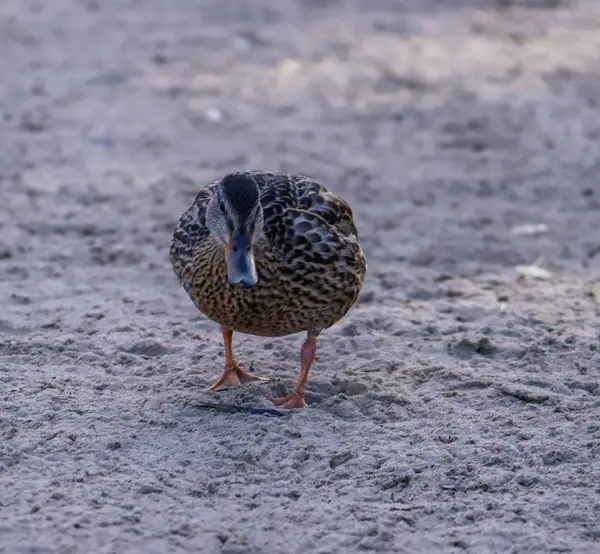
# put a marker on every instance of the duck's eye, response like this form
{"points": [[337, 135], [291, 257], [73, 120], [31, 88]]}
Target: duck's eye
{"points": [[222, 207]]}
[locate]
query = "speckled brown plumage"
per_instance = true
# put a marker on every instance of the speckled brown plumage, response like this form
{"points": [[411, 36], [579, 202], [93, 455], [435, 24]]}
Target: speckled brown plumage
{"points": [[309, 263]]}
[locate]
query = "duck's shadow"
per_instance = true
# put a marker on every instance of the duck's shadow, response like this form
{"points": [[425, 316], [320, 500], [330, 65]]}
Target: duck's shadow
{"points": [[256, 397]]}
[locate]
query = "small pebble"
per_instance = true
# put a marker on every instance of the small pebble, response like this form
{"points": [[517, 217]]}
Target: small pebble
{"points": [[214, 115], [533, 271], [530, 229]]}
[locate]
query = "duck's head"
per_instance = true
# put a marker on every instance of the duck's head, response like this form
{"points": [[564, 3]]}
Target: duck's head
{"points": [[234, 217]]}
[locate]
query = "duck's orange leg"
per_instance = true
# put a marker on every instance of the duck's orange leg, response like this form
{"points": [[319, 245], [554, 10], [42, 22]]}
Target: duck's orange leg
{"points": [[234, 373], [296, 398]]}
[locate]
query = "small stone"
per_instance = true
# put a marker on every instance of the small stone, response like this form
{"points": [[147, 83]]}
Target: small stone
{"points": [[214, 115], [533, 271], [530, 229]]}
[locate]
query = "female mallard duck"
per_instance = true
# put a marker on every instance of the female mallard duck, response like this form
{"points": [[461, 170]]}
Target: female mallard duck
{"points": [[269, 254]]}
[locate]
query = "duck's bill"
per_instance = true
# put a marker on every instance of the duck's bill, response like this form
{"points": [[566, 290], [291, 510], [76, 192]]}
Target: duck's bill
{"points": [[241, 269]]}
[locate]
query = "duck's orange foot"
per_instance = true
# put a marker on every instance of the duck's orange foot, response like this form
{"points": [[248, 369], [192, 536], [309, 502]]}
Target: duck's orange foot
{"points": [[234, 376], [291, 401]]}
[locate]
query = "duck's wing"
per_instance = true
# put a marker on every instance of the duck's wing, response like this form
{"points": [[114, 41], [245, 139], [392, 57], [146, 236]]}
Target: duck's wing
{"points": [[190, 233], [306, 222], [282, 192], [315, 198]]}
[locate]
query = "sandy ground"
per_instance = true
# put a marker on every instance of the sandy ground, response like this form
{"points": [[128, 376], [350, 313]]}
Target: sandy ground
{"points": [[456, 409]]}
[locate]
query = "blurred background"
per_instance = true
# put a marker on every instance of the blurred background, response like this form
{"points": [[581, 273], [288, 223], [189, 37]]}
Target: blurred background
{"points": [[449, 122]]}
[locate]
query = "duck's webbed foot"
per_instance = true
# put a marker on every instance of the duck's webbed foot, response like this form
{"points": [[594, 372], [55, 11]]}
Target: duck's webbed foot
{"points": [[290, 401], [307, 354], [235, 375]]}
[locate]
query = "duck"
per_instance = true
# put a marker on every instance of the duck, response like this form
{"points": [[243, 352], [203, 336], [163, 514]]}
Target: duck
{"points": [[269, 254]]}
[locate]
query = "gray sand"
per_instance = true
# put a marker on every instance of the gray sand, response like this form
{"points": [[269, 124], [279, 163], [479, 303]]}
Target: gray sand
{"points": [[455, 409]]}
